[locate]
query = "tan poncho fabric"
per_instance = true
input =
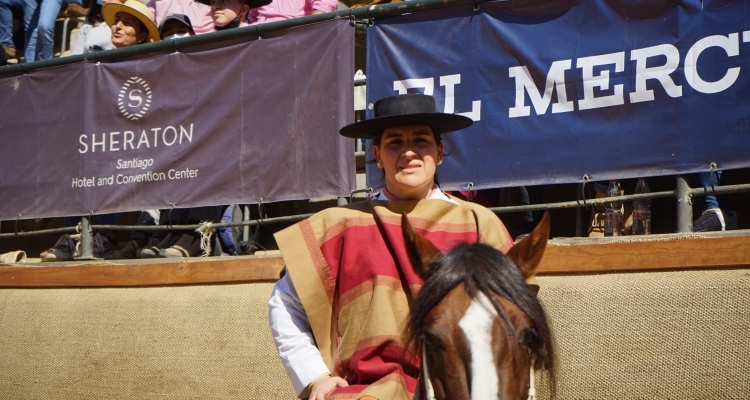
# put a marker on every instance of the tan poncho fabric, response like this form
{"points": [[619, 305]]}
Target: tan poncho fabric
{"points": [[349, 285]]}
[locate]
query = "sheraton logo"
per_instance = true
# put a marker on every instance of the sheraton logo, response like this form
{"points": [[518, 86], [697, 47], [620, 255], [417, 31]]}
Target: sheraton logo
{"points": [[134, 98]]}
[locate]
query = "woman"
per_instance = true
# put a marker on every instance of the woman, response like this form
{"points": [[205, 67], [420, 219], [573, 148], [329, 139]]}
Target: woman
{"points": [[94, 35], [131, 23], [337, 314]]}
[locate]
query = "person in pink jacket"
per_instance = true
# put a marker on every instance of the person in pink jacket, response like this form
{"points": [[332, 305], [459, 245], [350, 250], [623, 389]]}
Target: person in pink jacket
{"points": [[227, 14], [287, 9], [198, 13]]}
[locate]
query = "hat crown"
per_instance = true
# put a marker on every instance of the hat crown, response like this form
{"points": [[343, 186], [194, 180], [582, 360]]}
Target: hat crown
{"points": [[404, 104]]}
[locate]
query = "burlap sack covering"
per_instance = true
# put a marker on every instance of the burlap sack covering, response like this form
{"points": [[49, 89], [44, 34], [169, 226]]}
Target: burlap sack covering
{"points": [[190, 342], [656, 335], [653, 335]]}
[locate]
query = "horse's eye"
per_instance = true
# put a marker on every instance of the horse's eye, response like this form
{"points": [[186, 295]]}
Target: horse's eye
{"points": [[432, 342], [529, 338]]}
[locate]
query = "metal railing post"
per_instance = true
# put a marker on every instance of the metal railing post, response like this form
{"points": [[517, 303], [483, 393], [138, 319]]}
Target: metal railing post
{"points": [[684, 205], [579, 215], [246, 228], [87, 241]]}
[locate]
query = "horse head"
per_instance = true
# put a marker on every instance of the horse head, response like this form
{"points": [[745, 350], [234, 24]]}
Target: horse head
{"points": [[476, 323]]}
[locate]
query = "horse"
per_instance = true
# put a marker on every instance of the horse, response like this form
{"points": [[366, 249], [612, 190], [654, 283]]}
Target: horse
{"points": [[477, 325]]}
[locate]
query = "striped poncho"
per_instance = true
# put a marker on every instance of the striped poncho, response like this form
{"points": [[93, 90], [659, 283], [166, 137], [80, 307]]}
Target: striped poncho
{"points": [[349, 285]]}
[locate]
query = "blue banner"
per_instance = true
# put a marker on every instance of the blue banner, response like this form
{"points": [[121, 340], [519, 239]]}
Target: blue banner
{"points": [[605, 89]]}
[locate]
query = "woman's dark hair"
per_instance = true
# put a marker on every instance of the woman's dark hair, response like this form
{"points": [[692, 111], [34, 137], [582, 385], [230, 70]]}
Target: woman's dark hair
{"points": [[144, 29], [95, 14], [376, 142]]}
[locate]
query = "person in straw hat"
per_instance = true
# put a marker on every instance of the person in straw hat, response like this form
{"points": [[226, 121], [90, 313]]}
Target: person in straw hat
{"points": [[337, 313], [131, 22]]}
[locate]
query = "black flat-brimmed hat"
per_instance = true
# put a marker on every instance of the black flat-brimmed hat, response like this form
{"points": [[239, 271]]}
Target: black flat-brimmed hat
{"points": [[403, 110]]}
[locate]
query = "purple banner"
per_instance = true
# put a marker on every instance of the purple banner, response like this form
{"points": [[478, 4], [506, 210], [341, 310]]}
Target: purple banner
{"points": [[235, 122]]}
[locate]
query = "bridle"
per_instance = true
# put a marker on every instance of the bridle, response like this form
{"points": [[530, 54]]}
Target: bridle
{"points": [[430, 390]]}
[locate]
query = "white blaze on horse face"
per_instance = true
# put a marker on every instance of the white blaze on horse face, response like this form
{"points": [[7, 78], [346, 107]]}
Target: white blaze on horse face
{"points": [[477, 326]]}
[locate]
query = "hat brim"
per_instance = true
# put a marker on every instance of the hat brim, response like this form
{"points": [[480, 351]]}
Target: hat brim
{"points": [[173, 18], [439, 122], [111, 9]]}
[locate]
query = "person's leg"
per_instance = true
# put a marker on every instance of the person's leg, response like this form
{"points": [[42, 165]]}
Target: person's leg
{"points": [[6, 25], [704, 179], [716, 217], [30, 21], [45, 38]]}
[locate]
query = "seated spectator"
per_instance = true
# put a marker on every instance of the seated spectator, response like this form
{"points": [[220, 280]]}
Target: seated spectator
{"points": [[131, 23], [175, 26], [199, 13], [94, 35], [229, 14], [287, 9]]}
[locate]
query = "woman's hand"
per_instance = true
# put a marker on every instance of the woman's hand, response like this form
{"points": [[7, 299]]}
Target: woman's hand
{"points": [[324, 386]]}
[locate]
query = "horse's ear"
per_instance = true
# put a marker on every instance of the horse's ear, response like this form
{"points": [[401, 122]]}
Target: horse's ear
{"points": [[528, 252], [421, 251]]}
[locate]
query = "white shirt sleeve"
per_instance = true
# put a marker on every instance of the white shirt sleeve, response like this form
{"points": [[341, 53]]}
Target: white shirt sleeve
{"points": [[293, 336]]}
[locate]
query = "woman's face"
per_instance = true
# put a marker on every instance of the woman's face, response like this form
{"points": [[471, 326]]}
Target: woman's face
{"points": [[409, 156], [126, 31]]}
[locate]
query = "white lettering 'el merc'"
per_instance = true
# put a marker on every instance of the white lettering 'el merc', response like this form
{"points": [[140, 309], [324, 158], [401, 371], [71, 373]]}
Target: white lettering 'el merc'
{"points": [[449, 82], [594, 75], [129, 140], [477, 326]]}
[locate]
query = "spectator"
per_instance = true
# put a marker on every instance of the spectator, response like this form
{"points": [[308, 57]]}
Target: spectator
{"points": [[229, 14], [198, 13], [175, 26], [131, 23], [287, 9], [94, 35]]}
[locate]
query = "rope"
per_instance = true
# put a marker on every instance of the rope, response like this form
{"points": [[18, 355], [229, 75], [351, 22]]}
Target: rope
{"points": [[206, 230]]}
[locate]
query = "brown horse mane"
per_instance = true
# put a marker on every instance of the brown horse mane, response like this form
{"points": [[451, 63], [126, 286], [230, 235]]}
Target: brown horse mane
{"points": [[482, 268]]}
